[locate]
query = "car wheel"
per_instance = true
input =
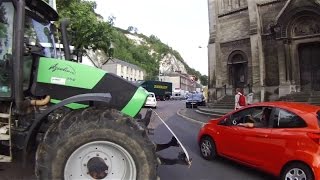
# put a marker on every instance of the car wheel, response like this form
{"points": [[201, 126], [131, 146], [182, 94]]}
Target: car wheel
{"points": [[297, 171], [208, 148]]}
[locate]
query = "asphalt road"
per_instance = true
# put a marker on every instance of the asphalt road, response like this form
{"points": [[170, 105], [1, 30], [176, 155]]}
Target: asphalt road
{"points": [[187, 130]]}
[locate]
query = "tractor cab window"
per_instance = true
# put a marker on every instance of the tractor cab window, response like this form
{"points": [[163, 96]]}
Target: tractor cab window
{"points": [[38, 40], [6, 38], [38, 35]]}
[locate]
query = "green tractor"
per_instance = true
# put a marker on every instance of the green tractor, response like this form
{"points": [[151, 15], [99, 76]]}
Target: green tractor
{"points": [[81, 122]]}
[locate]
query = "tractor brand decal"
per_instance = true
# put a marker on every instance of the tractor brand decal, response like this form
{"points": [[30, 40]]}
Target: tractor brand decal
{"points": [[56, 80], [67, 73], [67, 69]]}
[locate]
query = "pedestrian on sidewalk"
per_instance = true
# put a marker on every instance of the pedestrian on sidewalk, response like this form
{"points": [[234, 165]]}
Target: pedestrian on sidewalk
{"points": [[239, 99]]}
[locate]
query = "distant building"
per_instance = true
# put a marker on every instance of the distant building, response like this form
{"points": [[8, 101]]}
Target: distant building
{"points": [[179, 81], [269, 47], [124, 69]]}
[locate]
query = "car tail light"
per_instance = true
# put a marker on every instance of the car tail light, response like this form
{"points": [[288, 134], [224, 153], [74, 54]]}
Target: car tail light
{"points": [[315, 137]]}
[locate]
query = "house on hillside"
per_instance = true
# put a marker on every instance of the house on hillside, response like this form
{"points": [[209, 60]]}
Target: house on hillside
{"points": [[124, 69]]}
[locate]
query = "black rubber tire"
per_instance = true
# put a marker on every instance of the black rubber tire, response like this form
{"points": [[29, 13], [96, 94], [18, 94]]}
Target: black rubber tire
{"points": [[94, 124], [213, 151], [308, 172]]}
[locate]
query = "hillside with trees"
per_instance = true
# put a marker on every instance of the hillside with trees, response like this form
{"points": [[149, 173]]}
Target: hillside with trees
{"points": [[88, 30]]}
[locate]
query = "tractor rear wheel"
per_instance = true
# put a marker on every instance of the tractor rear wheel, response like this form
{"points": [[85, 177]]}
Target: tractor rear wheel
{"points": [[96, 143]]}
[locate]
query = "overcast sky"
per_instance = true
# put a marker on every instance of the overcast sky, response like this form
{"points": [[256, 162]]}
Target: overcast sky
{"points": [[182, 24]]}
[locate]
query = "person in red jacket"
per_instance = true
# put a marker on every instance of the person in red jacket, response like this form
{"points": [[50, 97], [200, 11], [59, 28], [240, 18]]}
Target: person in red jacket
{"points": [[239, 99]]}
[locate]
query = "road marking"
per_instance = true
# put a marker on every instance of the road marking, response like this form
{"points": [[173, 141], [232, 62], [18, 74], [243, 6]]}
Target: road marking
{"points": [[181, 145], [190, 119]]}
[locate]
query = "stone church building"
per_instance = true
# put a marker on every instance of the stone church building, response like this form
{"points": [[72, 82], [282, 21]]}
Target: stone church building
{"points": [[268, 47]]}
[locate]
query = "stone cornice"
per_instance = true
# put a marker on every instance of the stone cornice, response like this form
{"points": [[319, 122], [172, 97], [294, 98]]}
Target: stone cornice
{"points": [[232, 11], [235, 42], [269, 2]]}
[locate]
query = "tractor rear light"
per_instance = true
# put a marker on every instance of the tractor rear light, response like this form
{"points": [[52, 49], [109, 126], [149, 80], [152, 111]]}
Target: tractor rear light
{"points": [[315, 137]]}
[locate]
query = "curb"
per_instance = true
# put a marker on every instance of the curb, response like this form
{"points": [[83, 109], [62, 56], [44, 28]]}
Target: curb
{"points": [[190, 119], [211, 114]]}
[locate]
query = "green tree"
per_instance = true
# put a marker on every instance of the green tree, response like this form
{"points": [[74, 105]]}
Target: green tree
{"points": [[204, 80], [88, 31]]}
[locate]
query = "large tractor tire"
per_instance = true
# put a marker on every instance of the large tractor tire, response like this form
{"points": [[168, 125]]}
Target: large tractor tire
{"points": [[96, 144]]}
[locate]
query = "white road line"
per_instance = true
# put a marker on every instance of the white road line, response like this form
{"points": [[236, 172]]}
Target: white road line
{"points": [[190, 119]]}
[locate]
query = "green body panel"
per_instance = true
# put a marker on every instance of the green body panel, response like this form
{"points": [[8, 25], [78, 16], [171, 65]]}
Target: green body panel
{"points": [[71, 105], [136, 102], [67, 73]]}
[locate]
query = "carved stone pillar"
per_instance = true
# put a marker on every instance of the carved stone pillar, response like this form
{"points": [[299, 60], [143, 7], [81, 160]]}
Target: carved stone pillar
{"points": [[287, 51], [282, 63]]}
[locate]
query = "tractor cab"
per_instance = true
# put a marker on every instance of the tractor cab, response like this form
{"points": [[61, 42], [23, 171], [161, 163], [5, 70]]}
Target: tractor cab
{"points": [[32, 30]]}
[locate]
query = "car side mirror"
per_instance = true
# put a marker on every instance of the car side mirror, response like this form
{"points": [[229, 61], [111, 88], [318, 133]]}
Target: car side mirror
{"points": [[224, 122]]}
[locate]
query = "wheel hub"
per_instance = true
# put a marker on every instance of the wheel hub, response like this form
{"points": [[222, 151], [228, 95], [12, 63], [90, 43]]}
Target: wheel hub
{"points": [[100, 160], [296, 174], [205, 148], [97, 168]]}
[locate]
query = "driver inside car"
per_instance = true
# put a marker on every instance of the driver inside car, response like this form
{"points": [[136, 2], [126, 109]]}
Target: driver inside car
{"points": [[263, 122]]}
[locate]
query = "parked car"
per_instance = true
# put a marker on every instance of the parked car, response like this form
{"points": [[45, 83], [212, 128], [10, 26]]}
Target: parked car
{"points": [[151, 100], [287, 146], [177, 96], [194, 100]]}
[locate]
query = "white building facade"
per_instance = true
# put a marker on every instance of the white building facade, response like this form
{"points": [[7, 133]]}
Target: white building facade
{"points": [[124, 69], [179, 81]]}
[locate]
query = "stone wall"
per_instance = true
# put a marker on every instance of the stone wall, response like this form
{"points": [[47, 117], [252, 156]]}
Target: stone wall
{"points": [[234, 26], [271, 60], [268, 13]]}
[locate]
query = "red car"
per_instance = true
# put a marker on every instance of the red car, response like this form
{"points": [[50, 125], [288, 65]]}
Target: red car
{"points": [[280, 138]]}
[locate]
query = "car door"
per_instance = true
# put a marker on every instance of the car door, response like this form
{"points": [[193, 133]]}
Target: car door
{"points": [[227, 139], [285, 132], [256, 141], [233, 144]]}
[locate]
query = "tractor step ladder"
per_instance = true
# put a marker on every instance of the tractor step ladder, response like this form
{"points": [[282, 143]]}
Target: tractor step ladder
{"points": [[5, 135]]}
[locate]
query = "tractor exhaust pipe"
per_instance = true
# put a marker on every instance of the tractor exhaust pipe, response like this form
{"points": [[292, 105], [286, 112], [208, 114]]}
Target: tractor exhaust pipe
{"points": [[66, 46], [17, 56]]}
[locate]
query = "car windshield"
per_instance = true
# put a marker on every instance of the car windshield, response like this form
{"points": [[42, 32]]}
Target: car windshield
{"points": [[195, 96], [6, 37], [38, 33], [151, 95]]}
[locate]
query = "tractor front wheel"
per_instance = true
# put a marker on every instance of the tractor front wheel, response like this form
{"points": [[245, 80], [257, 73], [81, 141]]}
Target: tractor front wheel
{"points": [[96, 144]]}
